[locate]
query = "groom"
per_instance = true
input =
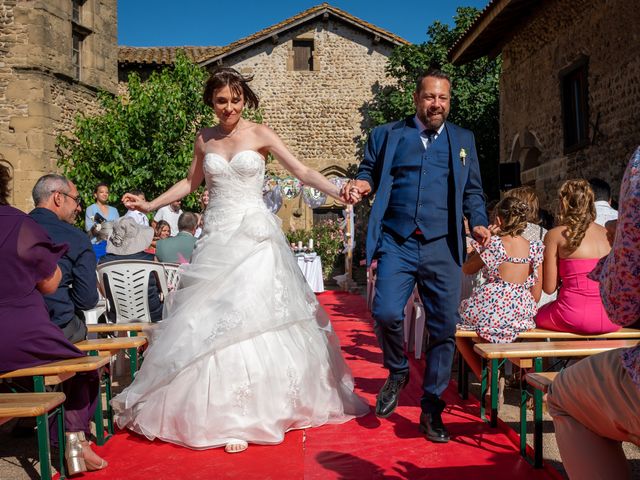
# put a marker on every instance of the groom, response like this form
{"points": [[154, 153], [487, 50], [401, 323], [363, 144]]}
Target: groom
{"points": [[424, 172]]}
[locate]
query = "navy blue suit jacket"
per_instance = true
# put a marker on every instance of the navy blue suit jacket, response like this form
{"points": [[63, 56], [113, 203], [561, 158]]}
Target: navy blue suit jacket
{"points": [[376, 169], [78, 289]]}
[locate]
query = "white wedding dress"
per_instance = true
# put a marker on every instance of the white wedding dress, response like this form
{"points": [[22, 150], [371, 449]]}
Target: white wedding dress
{"points": [[244, 351]]}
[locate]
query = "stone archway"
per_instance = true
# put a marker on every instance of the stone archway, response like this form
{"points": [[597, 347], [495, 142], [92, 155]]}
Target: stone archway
{"points": [[526, 149]]}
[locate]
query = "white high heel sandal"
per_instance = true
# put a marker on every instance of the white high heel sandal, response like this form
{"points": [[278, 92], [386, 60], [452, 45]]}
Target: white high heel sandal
{"points": [[236, 446]]}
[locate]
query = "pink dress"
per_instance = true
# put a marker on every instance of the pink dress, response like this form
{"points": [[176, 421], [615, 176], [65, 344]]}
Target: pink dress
{"points": [[578, 308], [499, 310]]}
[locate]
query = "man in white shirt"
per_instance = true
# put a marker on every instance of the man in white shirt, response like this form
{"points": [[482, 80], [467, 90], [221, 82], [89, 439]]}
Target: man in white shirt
{"points": [[169, 213], [602, 193], [139, 217]]}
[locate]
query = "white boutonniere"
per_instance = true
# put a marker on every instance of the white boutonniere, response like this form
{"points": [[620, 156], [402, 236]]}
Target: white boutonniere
{"points": [[463, 156]]}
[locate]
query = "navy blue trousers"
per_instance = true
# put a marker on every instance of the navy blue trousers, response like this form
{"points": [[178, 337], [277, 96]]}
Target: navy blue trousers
{"points": [[429, 264]]}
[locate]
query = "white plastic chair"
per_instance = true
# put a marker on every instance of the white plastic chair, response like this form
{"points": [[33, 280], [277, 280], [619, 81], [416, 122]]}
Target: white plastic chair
{"points": [[171, 275], [129, 287]]}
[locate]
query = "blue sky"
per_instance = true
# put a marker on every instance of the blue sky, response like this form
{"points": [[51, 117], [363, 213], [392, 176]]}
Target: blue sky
{"points": [[144, 23]]}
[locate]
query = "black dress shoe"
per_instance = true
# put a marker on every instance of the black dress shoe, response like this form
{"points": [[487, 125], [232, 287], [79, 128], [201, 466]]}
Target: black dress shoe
{"points": [[387, 400], [431, 425]]}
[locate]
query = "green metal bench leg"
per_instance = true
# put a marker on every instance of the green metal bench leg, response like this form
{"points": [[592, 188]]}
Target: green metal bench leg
{"points": [[107, 387], [44, 452], [61, 441], [537, 420], [483, 388], [523, 415], [495, 369], [133, 361]]}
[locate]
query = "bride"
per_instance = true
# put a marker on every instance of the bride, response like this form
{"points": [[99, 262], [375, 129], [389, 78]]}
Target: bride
{"points": [[245, 353]]}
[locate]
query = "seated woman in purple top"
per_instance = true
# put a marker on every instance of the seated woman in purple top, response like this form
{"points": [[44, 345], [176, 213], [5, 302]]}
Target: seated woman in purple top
{"points": [[594, 403], [28, 261], [572, 250]]}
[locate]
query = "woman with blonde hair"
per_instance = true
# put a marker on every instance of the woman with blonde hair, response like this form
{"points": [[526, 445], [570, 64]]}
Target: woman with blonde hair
{"points": [[572, 250]]}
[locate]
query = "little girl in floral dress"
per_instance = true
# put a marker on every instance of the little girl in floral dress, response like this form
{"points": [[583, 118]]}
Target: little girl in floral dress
{"points": [[506, 304]]}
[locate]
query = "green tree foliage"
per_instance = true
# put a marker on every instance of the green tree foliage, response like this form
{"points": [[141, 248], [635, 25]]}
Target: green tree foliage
{"points": [[474, 102], [142, 139]]}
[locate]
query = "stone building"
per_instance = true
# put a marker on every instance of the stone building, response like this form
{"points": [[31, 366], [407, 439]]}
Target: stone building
{"points": [[56, 54], [569, 87], [314, 73]]}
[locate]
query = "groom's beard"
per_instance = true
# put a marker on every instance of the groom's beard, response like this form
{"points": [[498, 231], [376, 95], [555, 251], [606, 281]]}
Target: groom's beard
{"points": [[432, 120]]}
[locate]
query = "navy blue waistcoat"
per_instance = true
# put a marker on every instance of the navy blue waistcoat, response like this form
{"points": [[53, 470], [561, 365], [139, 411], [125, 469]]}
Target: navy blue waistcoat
{"points": [[419, 195]]}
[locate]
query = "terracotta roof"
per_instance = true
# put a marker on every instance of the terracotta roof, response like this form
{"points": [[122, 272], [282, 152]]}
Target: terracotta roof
{"points": [[493, 28], [163, 55], [206, 55]]}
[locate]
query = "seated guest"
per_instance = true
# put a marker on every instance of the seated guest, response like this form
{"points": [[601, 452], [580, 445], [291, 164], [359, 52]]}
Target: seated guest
{"points": [[139, 217], [594, 403], [28, 261], [161, 230], [127, 241], [178, 249], [99, 212], [572, 250], [534, 230], [57, 205], [505, 304], [528, 195], [602, 193]]}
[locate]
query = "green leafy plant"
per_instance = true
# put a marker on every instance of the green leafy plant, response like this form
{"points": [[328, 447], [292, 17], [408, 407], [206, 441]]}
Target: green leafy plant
{"points": [[143, 139]]}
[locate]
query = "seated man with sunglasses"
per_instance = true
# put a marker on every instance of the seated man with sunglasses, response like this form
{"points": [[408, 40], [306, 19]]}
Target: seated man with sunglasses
{"points": [[57, 206]]}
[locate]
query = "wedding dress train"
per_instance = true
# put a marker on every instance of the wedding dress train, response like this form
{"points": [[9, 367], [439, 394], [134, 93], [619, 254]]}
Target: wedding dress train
{"points": [[244, 351]]}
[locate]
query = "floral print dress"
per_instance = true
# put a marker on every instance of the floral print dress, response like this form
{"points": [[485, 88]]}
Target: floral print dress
{"points": [[498, 310]]}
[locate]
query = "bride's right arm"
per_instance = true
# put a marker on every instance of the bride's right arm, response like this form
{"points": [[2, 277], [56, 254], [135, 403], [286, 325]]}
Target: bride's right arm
{"points": [[181, 189]]}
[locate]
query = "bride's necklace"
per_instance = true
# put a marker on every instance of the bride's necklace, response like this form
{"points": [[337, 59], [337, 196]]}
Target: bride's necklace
{"points": [[222, 133]]}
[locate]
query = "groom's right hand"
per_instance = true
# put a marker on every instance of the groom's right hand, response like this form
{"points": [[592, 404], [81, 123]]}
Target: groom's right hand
{"points": [[353, 191]]}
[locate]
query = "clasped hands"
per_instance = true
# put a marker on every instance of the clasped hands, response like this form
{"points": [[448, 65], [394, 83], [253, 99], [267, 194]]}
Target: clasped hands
{"points": [[353, 191]]}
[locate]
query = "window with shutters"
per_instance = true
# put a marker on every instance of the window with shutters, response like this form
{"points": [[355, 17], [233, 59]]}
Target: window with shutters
{"points": [[79, 32], [575, 106], [303, 55]]}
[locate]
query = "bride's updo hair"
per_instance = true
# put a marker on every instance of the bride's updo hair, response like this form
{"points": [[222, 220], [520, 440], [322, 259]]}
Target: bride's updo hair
{"points": [[576, 211], [513, 212], [238, 83]]}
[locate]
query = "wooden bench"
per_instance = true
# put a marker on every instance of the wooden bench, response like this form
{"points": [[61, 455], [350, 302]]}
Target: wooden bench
{"points": [[537, 334], [54, 373], [133, 328], [527, 354], [111, 346], [19, 405]]}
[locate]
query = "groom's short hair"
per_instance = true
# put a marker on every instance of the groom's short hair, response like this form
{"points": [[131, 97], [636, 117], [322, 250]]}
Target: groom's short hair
{"points": [[432, 72]]}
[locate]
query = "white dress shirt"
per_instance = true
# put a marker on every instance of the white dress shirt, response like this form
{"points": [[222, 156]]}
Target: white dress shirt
{"points": [[604, 212], [423, 136]]}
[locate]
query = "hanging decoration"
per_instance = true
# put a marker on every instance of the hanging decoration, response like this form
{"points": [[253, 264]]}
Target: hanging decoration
{"points": [[276, 189], [312, 197], [289, 187]]}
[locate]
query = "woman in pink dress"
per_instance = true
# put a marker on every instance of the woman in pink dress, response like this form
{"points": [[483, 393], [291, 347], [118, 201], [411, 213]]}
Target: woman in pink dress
{"points": [[572, 250]]}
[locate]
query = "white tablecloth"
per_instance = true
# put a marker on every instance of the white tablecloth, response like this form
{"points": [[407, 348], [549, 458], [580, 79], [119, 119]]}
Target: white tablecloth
{"points": [[312, 271]]}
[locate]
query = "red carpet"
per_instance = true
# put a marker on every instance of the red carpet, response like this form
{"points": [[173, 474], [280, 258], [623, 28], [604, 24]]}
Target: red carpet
{"points": [[365, 448]]}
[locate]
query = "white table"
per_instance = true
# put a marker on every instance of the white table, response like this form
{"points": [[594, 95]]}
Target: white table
{"points": [[312, 270]]}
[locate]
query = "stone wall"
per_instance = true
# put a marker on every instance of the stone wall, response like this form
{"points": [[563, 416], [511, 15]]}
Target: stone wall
{"points": [[39, 96], [319, 113], [560, 32]]}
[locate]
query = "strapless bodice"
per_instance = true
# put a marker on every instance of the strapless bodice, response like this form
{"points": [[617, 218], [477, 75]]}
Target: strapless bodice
{"points": [[234, 184]]}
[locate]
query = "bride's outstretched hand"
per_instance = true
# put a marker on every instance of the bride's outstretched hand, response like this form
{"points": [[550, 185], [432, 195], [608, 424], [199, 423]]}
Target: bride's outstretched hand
{"points": [[134, 202]]}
